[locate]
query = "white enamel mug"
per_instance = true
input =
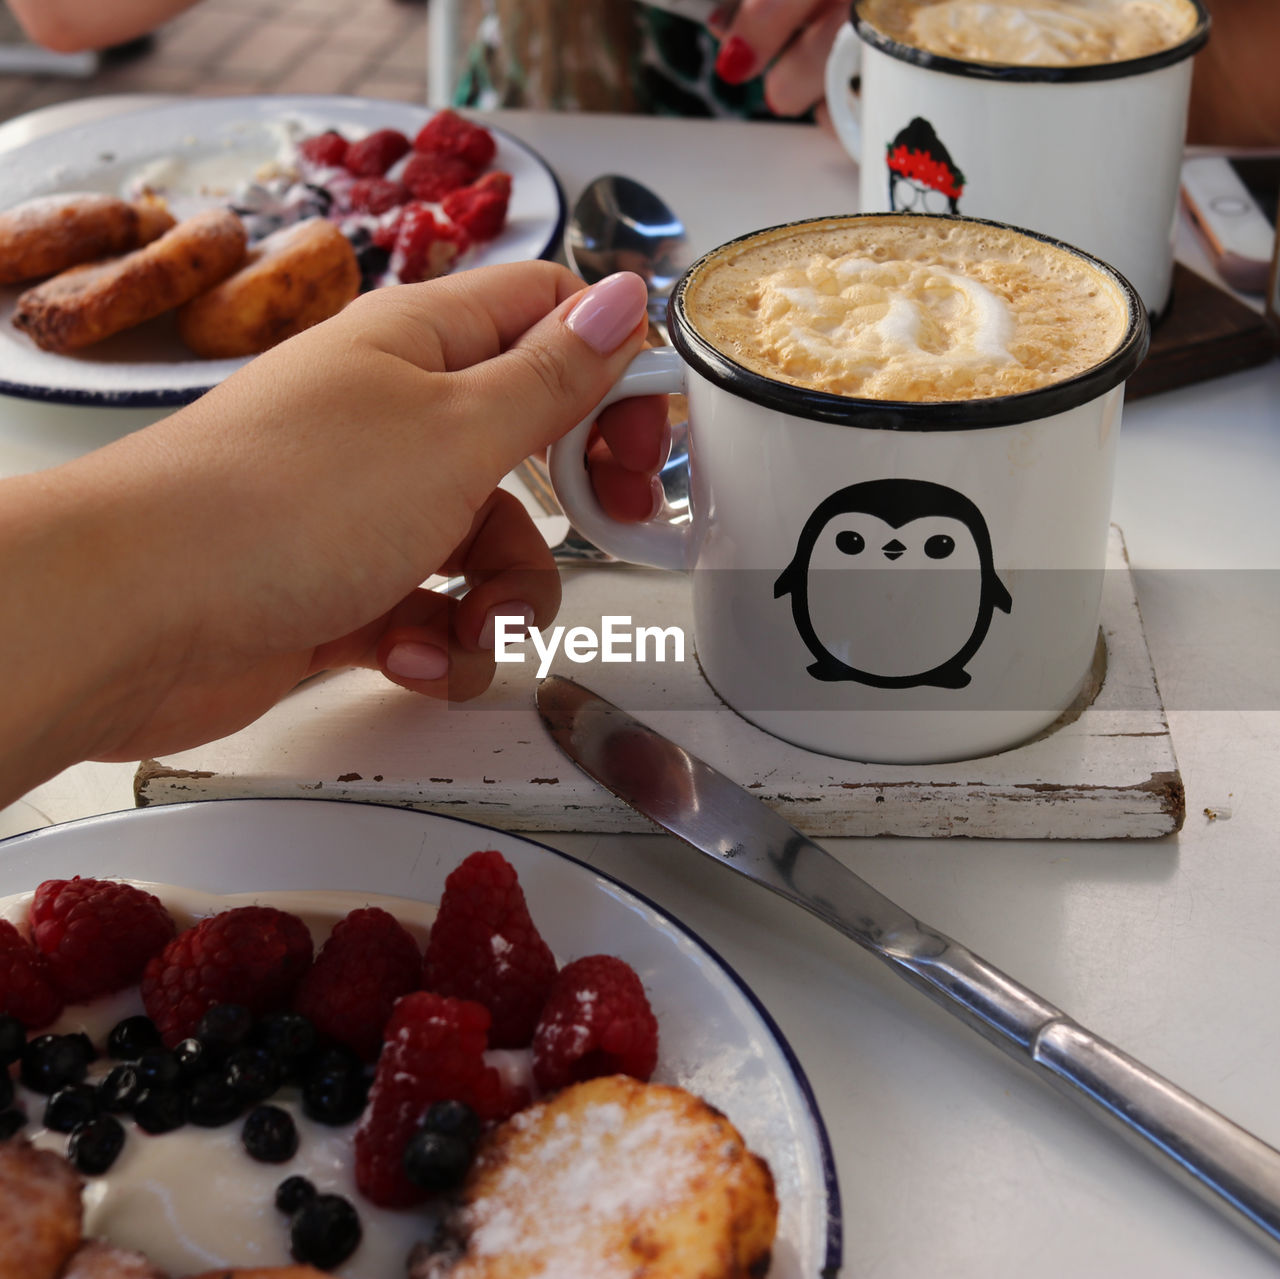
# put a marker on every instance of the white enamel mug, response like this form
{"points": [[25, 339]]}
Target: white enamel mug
{"points": [[1088, 154], [965, 623]]}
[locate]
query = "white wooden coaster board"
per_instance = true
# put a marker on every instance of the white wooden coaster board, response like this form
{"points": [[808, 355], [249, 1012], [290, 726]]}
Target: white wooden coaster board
{"points": [[350, 735]]}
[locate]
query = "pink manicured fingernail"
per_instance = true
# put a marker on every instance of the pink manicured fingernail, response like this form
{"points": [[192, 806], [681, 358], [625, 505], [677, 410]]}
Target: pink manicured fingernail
{"points": [[659, 496], [736, 61], [418, 661], [608, 311], [519, 617]]}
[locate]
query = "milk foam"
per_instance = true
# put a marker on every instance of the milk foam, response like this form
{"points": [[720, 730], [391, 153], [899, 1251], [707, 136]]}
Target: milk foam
{"points": [[896, 308], [1053, 33]]}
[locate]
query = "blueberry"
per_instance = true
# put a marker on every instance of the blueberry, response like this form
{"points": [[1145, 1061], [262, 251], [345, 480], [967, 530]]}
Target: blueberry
{"points": [[436, 1160], [130, 1038], [292, 1193], [158, 1069], [70, 1107], [50, 1062], [325, 1232], [13, 1039], [289, 1037], [93, 1146], [224, 1028], [160, 1110], [270, 1135], [359, 237], [454, 1119], [253, 1074], [334, 1090], [192, 1058], [86, 1045], [11, 1121], [6, 1089], [321, 198], [118, 1093], [373, 262], [213, 1102]]}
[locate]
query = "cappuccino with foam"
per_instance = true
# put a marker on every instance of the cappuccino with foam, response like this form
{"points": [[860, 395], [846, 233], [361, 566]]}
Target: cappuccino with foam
{"points": [[906, 308], [1048, 33]]}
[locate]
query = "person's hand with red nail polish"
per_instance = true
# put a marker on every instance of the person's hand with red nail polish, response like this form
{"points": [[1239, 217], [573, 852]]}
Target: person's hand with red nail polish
{"points": [[169, 588], [787, 40]]}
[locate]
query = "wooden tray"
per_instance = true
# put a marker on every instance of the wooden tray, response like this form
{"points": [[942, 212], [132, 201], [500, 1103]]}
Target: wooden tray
{"points": [[1207, 333], [350, 735]]}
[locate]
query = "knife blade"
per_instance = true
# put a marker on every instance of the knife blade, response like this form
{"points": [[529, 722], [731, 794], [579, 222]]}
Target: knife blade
{"points": [[1230, 1168]]}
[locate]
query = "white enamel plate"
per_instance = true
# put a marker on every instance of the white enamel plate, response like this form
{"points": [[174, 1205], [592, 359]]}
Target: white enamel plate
{"points": [[211, 145], [715, 1038]]}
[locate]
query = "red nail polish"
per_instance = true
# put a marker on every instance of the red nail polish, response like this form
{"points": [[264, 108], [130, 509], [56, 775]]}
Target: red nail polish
{"points": [[736, 61]]}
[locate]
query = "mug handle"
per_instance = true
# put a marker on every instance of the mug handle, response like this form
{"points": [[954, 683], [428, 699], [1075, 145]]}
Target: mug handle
{"points": [[657, 543], [843, 64]]}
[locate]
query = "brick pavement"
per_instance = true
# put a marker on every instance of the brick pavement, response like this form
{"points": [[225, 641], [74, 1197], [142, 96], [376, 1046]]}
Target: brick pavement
{"points": [[375, 48]]}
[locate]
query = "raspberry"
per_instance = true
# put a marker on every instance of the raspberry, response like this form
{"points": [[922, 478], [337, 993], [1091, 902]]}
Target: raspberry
{"points": [[428, 248], [376, 195], [97, 934], [326, 149], [371, 157], [447, 133], [369, 961], [483, 946], [434, 1051], [481, 208], [252, 955], [431, 177], [27, 991], [597, 1021]]}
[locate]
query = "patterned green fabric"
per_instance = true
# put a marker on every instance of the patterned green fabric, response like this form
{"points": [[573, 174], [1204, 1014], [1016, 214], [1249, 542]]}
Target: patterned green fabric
{"points": [[676, 72], [673, 72]]}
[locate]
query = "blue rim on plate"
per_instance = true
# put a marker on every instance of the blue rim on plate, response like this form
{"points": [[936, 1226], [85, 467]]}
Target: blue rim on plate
{"points": [[64, 160], [30, 857]]}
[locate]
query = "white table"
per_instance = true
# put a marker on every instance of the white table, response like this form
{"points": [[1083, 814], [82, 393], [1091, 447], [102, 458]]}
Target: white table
{"points": [[953, 1161]]}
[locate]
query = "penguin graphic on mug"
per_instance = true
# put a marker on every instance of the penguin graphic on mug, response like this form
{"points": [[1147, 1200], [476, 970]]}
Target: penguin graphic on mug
{"points": [[923, 178], [893, 584]]}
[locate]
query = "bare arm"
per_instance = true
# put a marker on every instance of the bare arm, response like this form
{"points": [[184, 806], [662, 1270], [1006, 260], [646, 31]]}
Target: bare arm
{"points": [[69, 26], [167, 589]]}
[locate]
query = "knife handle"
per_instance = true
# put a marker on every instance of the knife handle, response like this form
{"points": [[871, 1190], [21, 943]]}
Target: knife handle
{"points": [[1228, 1167]]}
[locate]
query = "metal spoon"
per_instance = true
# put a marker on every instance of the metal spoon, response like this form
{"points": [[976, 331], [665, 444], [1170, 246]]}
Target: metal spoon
{"points": [[619, 224]]}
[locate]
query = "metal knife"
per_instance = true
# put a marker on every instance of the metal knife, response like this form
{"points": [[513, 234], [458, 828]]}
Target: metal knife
{"points": [[1229, 1167]]}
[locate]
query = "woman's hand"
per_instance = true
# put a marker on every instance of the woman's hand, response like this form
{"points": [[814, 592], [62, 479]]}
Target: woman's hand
{"points": [[168, 589], [789, 41]]}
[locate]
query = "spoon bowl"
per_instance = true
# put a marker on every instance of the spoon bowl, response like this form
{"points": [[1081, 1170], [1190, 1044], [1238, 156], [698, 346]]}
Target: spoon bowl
{"points": [[618, 224]]}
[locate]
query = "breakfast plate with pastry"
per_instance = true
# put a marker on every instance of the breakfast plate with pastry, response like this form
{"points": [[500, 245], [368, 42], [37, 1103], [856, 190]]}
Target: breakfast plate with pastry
{"points": [[568, 1081], [144, 258]]}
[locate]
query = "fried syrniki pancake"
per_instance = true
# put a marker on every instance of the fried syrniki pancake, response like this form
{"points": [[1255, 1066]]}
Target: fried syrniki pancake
{"points": [[88, 303], [40, 1211], [613, 1178], [53, 232], [292, 279], [97, 1259]]}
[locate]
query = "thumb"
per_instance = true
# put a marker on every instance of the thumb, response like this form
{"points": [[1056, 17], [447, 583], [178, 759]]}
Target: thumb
{"points": [[555, 373]]}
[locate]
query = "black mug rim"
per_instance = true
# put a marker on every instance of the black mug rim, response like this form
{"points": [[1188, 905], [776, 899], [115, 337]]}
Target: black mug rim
{"points": [[902, 415], [1014, 74]]}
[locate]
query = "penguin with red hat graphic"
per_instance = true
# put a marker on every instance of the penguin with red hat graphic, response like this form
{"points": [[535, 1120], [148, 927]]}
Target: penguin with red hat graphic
{"points": [[923, 178]]}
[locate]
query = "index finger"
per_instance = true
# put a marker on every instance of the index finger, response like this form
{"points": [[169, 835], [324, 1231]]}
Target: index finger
{"points": [[459, 320], [762, 29]]}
